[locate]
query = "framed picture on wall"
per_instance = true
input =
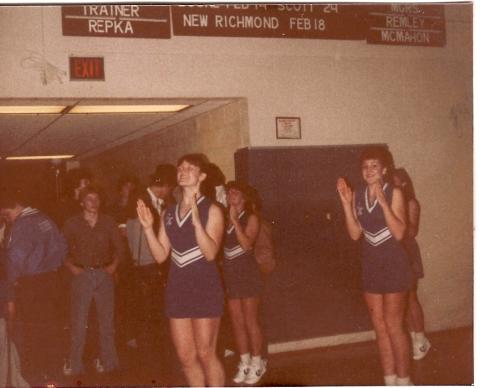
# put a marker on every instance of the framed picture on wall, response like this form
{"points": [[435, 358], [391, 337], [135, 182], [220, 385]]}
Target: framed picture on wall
{"points": [[288, 128]]}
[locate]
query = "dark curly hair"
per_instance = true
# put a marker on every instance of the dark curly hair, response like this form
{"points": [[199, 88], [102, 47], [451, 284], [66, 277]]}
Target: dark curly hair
{"points": [[381, 154]]}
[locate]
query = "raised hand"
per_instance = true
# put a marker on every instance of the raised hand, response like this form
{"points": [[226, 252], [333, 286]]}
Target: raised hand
{"points": [[233, 215], [76, 271], [110, 268], [195, 214], [380, 195], [144, 215], [344, 191]]}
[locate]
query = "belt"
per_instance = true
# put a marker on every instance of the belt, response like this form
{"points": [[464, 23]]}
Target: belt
{"points": [[98, 266]]}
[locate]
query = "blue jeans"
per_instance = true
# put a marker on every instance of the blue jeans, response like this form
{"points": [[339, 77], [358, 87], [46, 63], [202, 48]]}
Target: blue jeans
{"points": [[94, 284]]}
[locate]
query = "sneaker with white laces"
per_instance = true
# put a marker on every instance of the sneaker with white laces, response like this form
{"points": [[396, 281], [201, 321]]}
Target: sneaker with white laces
{"points": [[98, 365], [256, 372], [420, 349], [67, 367], [242, 373]]}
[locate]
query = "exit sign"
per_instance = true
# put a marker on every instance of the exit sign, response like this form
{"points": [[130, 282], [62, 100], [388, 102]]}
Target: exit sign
{"points": [[87, 69]]}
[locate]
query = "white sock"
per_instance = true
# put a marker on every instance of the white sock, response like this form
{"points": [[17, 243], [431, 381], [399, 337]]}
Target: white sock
{"points": [[412, 334], [256, 360], [420, 336], [245, 358], [404, 381], [390, 380]]}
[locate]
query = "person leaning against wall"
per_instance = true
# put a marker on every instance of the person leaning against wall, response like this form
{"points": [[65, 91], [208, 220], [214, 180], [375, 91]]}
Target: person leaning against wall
{"points": [[377, 211], [415, 317], [192, 232]]}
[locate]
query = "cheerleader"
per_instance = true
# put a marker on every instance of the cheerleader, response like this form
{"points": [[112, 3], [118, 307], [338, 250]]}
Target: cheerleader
{"points": [[377, 212], [191, 233]]}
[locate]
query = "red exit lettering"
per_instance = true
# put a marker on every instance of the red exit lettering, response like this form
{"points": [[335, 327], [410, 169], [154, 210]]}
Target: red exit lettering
{"points": [[89, 68]]}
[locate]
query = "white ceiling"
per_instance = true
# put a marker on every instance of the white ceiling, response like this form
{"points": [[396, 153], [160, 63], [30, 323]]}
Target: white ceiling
{"points": [[85, 135]]}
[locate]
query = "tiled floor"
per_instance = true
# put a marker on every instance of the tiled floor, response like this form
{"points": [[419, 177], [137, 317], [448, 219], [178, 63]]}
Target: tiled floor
{"points": [[449, 362]]}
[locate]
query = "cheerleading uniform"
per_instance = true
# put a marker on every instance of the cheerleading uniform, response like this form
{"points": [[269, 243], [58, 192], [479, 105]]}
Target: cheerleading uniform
{"points": [[194, 288], [385, 264], [240, 269]]}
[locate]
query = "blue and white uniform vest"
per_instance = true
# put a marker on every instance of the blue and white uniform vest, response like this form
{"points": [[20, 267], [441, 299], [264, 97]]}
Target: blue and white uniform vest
{"points": [[240, 269], [385, 264], [232, 248], [194, 287]]}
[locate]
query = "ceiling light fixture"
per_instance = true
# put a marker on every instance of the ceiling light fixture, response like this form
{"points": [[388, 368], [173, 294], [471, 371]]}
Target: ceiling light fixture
{"points": [[38, 157], [127, 108], [32, 109]]}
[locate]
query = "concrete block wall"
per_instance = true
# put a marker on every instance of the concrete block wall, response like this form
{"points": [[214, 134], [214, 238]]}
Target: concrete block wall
{"points": [[217, 134], [418, 100]]}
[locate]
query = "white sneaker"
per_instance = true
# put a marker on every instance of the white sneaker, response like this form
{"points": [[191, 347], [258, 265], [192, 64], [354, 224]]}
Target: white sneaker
{"points": [[98, 365], [405, 381], [242, 373], [256, 372], [228, 353], [67, 367], [420, 349]]}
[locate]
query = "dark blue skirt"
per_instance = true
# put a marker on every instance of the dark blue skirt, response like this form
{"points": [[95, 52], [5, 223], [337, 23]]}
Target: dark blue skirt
{"points": [[242, 277], [386, 268], [194, 291]]}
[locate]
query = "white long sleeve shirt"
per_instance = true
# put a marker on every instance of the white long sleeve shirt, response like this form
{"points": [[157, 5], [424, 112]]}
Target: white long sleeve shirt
{"points": [[138, 244]]}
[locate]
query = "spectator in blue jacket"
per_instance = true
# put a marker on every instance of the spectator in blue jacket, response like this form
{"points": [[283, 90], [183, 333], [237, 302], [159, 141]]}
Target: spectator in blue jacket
{"points": [[35, 250]]}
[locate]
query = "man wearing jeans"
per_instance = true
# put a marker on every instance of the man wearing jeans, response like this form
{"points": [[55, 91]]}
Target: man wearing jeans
{"points": [[95, 250]]}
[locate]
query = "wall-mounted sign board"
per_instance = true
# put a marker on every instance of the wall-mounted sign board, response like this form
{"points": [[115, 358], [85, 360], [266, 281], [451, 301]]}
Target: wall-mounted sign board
{"points": [[87, 69], [121, 21], [288, 128], [406, 24], [315, 21]]}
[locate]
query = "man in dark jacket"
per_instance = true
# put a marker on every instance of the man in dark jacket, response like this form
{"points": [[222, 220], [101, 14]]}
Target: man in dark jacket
{"points": [[146, 278], [35, 250], [159, 194]]}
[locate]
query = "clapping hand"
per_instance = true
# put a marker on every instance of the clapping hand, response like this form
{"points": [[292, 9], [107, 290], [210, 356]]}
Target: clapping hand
{"points": [[144, 215], [111, 268], [195, 214], [380, 195], [344, 191], [233, 215]]}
